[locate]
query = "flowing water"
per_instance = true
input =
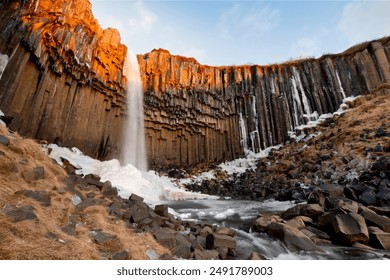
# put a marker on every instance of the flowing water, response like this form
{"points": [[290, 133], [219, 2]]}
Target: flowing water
{"points": [[241, 214], [133, 148]]}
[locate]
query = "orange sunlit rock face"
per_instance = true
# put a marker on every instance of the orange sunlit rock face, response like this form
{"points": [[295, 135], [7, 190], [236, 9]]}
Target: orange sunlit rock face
{"points": [[68, 30], [204, 114], [64, 81]]}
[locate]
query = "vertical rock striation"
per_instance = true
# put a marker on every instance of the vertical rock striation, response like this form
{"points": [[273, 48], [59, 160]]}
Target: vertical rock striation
{"points": [[63, 81], [202, 114]]}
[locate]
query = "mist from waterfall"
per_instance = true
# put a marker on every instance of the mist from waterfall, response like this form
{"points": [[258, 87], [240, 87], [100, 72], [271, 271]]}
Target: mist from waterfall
{"points": [[133, 144]]}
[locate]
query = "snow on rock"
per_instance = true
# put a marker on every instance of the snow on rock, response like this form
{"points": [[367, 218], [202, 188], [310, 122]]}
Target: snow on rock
{"points": [[128, 179], [344, 107]]}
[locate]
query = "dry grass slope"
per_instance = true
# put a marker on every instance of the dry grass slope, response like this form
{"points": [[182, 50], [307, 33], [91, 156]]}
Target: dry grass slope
{"points": [[43, 238]]}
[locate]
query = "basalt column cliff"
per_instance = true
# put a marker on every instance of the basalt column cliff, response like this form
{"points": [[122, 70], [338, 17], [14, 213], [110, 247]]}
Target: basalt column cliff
{"points": [[63, 81], [203, 114]]}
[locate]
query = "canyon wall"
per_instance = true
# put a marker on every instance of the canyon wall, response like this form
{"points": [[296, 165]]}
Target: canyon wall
{"points": [[202, 114], [63, 81]]}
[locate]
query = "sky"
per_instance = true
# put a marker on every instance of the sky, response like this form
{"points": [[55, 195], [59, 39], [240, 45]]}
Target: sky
{"points": [[227, 32]]}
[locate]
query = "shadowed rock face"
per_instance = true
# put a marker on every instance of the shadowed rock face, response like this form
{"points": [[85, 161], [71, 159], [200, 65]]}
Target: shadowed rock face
{"points": [[203, 114], [63, 81]]}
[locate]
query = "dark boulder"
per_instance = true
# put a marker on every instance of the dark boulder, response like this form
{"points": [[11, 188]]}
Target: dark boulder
{"points": [[294, 239], [43, 197], [350, 228], [20, 213], [214, 241]]}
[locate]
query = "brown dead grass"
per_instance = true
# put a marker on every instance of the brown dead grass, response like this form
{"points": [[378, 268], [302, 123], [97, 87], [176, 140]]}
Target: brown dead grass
{"points": [[345, 140], [44, 239]]}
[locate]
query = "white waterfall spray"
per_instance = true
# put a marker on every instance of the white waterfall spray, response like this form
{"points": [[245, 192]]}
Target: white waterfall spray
{"points": [[133, 147]]}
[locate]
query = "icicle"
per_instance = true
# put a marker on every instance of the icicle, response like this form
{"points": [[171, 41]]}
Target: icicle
{"points": [[340, 85], [243, 134], [256, 116], [3, 63]]}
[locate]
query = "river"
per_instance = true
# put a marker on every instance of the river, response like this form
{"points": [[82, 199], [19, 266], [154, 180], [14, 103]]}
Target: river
{"points": [[239, 214]]}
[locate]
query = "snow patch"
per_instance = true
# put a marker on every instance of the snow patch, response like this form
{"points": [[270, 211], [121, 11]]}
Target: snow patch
{"points": [[128, 179], [237, 166]]}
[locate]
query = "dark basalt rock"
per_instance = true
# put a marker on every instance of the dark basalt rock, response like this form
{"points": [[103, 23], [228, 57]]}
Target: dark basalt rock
{"points": [[41, 196], [20, 213]]}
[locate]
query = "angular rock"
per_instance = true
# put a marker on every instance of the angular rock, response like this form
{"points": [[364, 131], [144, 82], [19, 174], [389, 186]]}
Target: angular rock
{"points": [[225, 231], [166, 237], [296, 222], [385, 211], [205, 231], [102, 238], [317, 197], [182, 248], [161, 210], [261, 224], [70, 169], [69, 229], [123, 255], [214, 241], [138, 215], [136, 198], [92, 180], [206, 254], [383, 196], [293, 238], [115, 208], [309, 210], [350, 228], [379, 238], [382, 164], [371, 217], [21, 213], [223, 252], [43, 197], [4, 140], [87, 203], [199, 243], [368, 198], [109, 190], [37, 173]]}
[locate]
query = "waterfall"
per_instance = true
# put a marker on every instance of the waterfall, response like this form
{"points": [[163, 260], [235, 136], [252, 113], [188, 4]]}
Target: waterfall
{"points": [[133, 147]]}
